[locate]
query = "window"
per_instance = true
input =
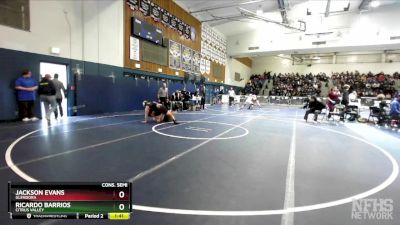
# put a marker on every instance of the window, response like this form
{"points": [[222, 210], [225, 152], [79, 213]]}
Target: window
{"points": [[15, 13], [237, 77]]}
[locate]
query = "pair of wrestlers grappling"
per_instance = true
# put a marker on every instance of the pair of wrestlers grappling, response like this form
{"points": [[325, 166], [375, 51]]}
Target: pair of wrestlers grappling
{"points": [[158, 112]]}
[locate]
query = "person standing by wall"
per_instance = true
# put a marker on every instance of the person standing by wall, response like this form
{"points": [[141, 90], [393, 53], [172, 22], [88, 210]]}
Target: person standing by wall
{"points": [[395, 108], [26, 88], [231, 93], [345, 101], [163, 94], [59, 87], [47, 93], [215, 96], [202, 91]]}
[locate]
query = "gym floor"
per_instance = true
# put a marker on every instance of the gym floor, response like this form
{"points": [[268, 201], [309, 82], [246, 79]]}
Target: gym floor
{"points": [[221, 166]]}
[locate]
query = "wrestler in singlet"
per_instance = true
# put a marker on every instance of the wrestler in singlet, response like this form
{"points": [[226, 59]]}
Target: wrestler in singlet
{"points": [[157, 111]]}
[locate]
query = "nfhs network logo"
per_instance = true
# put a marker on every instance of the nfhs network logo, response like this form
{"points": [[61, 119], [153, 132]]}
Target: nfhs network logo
{"points": [[372, 209]]}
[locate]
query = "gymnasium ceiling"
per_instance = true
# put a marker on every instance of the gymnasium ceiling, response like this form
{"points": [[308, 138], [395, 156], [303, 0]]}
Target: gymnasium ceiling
{"points": [[226, 17]]}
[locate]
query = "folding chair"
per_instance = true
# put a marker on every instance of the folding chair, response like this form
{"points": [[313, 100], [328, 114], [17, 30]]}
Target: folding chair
{"points": [[353, 111], [374, 112], [394, 122], [287, 100], [322, 112], [338, 111]]}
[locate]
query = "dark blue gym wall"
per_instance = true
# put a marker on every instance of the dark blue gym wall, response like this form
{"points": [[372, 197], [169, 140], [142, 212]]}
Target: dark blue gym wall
{"points": [[96, 92], [11, 65]]}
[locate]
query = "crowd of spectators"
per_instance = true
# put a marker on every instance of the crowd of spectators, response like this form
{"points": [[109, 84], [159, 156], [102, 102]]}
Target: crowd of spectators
{"points": [[364, 84], [291, 84], [254, 85], [367, 85]]}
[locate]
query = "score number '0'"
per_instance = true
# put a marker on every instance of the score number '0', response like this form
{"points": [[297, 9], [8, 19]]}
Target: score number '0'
{"points": [[121, 206]]}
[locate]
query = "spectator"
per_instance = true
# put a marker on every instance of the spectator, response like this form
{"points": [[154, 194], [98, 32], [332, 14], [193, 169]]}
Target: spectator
{"points": [[345, 96], [333, 99], [215, 96], [395, 108], [203, 97], [384, 108], [345, 100], [26, 96], [353, 96], [314, 106], [59, 97], [231, 93], [47, 92]]}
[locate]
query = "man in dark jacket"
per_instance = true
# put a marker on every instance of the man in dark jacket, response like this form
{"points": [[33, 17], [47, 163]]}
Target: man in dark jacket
{"points": [[345, 100], [47, 93], [314, 106]]}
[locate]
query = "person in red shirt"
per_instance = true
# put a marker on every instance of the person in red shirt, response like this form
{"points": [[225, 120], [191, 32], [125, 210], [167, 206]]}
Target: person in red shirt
{"points": [[381, 77], [333, 99]]}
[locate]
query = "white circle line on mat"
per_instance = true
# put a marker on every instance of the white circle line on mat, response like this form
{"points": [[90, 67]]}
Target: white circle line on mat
{"points": [[380, 187], [246, 132]]}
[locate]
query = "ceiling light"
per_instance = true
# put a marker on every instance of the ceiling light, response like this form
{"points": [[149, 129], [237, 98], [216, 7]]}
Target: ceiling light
{"points": [[375, 4]]}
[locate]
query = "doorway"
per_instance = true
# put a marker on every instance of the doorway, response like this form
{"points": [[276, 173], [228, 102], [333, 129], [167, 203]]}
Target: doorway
{"points": [[61, 70]]}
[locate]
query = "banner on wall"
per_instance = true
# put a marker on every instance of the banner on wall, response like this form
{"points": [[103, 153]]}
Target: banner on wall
{"points": [[165, 17], [206, 51], [173, 22], [174, 55], [186, 59], [145, 7], [149, 8], [196, 62], [181, 27], [134, 4], [202, 66], [188, 32], [208, 66], [134, 49], [155, 12]]}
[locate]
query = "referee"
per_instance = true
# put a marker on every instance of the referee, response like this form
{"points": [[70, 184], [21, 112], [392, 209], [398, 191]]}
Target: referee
{"points": [[163, 94]]}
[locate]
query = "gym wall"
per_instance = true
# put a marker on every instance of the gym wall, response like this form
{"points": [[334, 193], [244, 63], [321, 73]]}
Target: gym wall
{"points": [[235, 66], [89, 33], [177, 11]]}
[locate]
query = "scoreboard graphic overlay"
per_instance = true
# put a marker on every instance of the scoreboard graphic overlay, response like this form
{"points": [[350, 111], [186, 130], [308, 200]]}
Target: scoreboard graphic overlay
{"points": [[45, 200]]}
